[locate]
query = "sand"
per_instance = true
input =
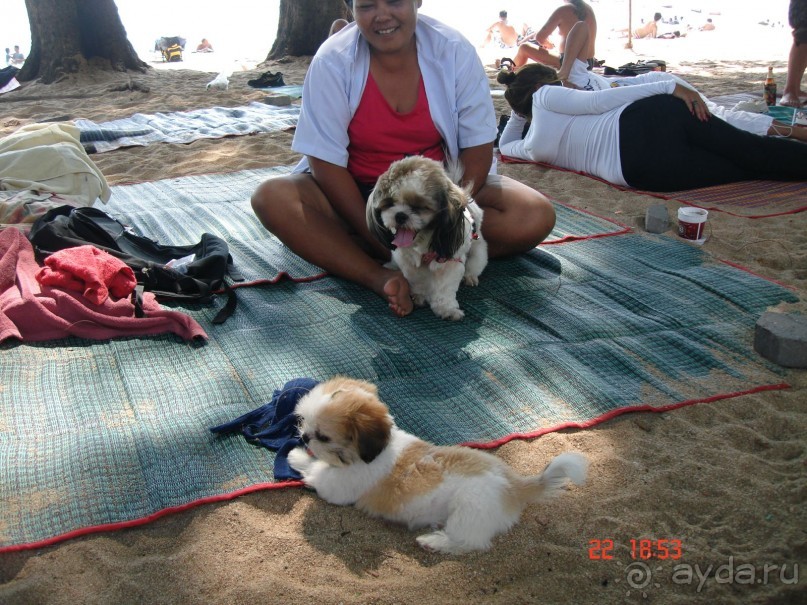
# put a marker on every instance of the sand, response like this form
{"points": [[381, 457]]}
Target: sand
{"points": [[727, 479]]}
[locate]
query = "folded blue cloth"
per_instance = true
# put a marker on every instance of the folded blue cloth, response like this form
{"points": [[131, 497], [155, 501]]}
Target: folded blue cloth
{"points": [[274, 425]]}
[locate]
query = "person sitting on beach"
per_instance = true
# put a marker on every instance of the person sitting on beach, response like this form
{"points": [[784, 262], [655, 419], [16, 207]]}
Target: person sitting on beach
{"points": [[204, 46], [574, 73], [657, 136], [340, 24], [646, 30], [8, 56], [708, 26], [562, 19], [392, 83], [17, 58], [501, 33]]}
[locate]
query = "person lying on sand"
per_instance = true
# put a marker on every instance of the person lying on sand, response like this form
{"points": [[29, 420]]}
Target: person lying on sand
{"points": [[574, 73], [429, 98], [658, 136]]}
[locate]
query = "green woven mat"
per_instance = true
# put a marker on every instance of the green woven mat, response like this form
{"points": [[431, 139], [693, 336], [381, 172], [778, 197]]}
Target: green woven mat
{"points": [[97, 434], [178, 211]]}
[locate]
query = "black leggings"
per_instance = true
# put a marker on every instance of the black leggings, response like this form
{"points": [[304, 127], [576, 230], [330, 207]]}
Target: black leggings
{"points": [[665, 148]]}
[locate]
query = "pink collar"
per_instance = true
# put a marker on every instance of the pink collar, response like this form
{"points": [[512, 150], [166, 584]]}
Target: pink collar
{"points": [[428, 257]]}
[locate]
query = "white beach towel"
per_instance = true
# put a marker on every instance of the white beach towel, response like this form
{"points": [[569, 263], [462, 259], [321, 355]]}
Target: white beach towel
{"points": [[48, 158]]}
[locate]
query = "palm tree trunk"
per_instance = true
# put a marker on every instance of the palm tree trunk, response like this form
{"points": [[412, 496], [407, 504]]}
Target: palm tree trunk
{"points": [[304, 25], [66, 33]]}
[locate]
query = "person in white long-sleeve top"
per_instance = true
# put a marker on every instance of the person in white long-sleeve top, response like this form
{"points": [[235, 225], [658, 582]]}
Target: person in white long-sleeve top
{"points": [[575, 73], [658, 136]]}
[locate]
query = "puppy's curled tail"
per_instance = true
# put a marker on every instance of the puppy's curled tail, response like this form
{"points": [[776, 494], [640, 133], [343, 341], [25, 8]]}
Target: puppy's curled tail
{"points": [[570, 466]]}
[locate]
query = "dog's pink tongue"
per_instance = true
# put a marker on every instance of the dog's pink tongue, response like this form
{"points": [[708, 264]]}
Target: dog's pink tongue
{"points": [[404, 238]]}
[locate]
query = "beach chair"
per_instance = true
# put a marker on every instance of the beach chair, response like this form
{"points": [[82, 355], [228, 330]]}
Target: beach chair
{"points": [[171, 48]]}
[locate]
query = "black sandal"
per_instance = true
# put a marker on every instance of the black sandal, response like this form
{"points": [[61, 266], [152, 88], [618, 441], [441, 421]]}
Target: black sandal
{"points": [[507, 63]]}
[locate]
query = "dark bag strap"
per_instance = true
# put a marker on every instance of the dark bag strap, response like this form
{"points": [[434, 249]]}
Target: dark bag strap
{"points": [[137, 301], [229, 307], [234, 273]]}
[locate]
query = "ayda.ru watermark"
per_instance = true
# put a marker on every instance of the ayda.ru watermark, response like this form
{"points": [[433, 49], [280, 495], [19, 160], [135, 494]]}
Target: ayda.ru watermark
{"points": [[640, 576]]}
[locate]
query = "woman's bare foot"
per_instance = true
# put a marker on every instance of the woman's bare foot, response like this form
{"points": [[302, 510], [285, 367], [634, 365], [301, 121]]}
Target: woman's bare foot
{"points": [[396, 290], [791, 100]]}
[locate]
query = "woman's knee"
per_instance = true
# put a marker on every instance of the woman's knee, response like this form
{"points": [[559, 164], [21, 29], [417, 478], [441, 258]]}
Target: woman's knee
{"points": [[277, 199], [517, 217], [266, 200], [534, 216], [544, 216]]}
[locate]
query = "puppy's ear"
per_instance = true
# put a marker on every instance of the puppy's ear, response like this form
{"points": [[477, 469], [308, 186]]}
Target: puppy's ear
{"points": [[374, 223], [371, 426], [449, 230]]}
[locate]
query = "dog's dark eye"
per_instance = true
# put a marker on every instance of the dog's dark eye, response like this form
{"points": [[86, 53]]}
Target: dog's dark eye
{"points": [[322, 438]]}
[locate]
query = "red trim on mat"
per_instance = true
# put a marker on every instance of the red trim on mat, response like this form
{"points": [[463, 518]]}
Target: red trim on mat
{"points": [[619, 412], [148, 519], [486, 445], [567, 239], [580, 238], [276, 279], [662, 196], [755, 274]]}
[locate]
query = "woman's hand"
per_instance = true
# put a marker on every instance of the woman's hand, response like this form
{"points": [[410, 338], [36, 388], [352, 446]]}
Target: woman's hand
{"points": [[693, 101]]}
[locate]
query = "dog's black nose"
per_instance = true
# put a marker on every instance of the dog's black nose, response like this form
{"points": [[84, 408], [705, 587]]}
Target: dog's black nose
{"points": [[305, 438], [401, 218]]}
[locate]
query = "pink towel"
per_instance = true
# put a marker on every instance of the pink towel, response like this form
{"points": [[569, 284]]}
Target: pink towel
{"points": [[31, 312], [89, 270]]}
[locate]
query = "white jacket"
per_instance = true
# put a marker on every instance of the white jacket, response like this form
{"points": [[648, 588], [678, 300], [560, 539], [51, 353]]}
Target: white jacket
{"points": [[456, 85]]}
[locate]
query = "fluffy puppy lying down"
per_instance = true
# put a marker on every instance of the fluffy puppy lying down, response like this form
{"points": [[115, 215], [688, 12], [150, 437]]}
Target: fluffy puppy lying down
{"points": [[434, 229], [356, 455]]}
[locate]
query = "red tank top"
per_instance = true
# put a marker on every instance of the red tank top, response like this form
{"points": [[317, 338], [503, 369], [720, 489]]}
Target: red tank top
{"points": [[379, 135]]}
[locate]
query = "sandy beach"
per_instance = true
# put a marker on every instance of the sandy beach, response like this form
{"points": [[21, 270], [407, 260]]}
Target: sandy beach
{"points": [[727, 480]]}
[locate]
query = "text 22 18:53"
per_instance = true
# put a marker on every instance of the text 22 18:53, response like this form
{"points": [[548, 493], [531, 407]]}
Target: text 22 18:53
{"points": [[643, 549]]}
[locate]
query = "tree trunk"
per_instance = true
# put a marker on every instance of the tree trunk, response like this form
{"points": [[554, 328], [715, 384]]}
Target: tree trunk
{"points": [[304, 25], [65, 34]]}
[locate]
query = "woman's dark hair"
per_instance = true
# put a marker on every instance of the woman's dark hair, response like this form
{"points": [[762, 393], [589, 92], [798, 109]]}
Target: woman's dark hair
{"points": [[522, 83], [580, 9]]}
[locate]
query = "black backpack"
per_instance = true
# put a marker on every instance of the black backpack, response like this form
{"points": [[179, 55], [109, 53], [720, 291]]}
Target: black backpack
{"points": [[634, 69], [196, 280]]}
